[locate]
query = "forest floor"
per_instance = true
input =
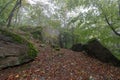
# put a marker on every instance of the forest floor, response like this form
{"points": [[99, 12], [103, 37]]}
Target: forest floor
{"points": [[61, 65]]}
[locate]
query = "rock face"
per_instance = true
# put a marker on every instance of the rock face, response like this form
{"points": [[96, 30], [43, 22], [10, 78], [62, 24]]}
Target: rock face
{"points": [[95, 49], [13, 53], [77, 47]]}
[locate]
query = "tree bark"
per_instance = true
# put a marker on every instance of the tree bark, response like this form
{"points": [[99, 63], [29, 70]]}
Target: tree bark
{"points": [[17, 5], [119, 7]]}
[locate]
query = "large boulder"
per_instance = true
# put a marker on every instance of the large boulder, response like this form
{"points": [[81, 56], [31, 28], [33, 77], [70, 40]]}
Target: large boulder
{"points": [[14, 50], [77, 47], [95, 49]]}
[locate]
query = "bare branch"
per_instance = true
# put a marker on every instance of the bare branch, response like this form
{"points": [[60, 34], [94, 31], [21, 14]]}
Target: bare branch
{"points": [[111, 26], [108, 22]]}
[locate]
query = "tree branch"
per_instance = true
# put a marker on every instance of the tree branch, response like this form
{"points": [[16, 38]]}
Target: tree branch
{"points": [[17, 5], [109, 24]]}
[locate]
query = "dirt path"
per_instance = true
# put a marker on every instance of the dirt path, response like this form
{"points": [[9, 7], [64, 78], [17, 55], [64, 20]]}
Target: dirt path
{"points": [[61, 65]]}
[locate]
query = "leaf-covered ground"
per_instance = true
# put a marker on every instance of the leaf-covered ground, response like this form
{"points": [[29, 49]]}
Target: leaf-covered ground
{"points": [[61, 65]]}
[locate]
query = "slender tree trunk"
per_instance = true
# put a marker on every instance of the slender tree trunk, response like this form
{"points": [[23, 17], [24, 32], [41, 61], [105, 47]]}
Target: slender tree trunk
{"points": [[17, 6], [60, 41], [119, 7], [111, 26]]}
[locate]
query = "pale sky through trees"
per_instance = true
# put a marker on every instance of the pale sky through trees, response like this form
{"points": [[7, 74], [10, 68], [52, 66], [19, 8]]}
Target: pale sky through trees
{"points": [[52, 7]]}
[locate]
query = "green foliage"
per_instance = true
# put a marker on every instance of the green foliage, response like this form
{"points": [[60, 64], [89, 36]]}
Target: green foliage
{"points": [[37, 35], [66, 38], [34, 32], [32, 50], [92, 24], [56, 47], [5, 12], [15, 37], [87, 24]]}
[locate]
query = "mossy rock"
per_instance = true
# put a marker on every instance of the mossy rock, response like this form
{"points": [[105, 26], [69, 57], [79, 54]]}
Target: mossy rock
{"points": [[37, 34], [95, 49], [14, 49], [55, 47], [34, 32]]}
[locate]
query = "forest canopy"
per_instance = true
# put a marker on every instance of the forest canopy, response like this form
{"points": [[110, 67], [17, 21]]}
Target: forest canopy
{"points": [[67, 22]]}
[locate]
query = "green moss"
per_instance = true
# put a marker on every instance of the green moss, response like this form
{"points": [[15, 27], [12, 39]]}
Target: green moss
{"points": [[34, 32], [55, 47], [37, 35], [32, 52], [15, 37]]}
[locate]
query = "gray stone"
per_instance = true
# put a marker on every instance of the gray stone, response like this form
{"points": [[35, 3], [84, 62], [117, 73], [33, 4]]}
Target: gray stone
{"points": [[12, 53]]}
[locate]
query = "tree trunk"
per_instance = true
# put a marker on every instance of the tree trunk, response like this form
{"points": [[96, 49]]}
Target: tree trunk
{"points": [[17, 5]]}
